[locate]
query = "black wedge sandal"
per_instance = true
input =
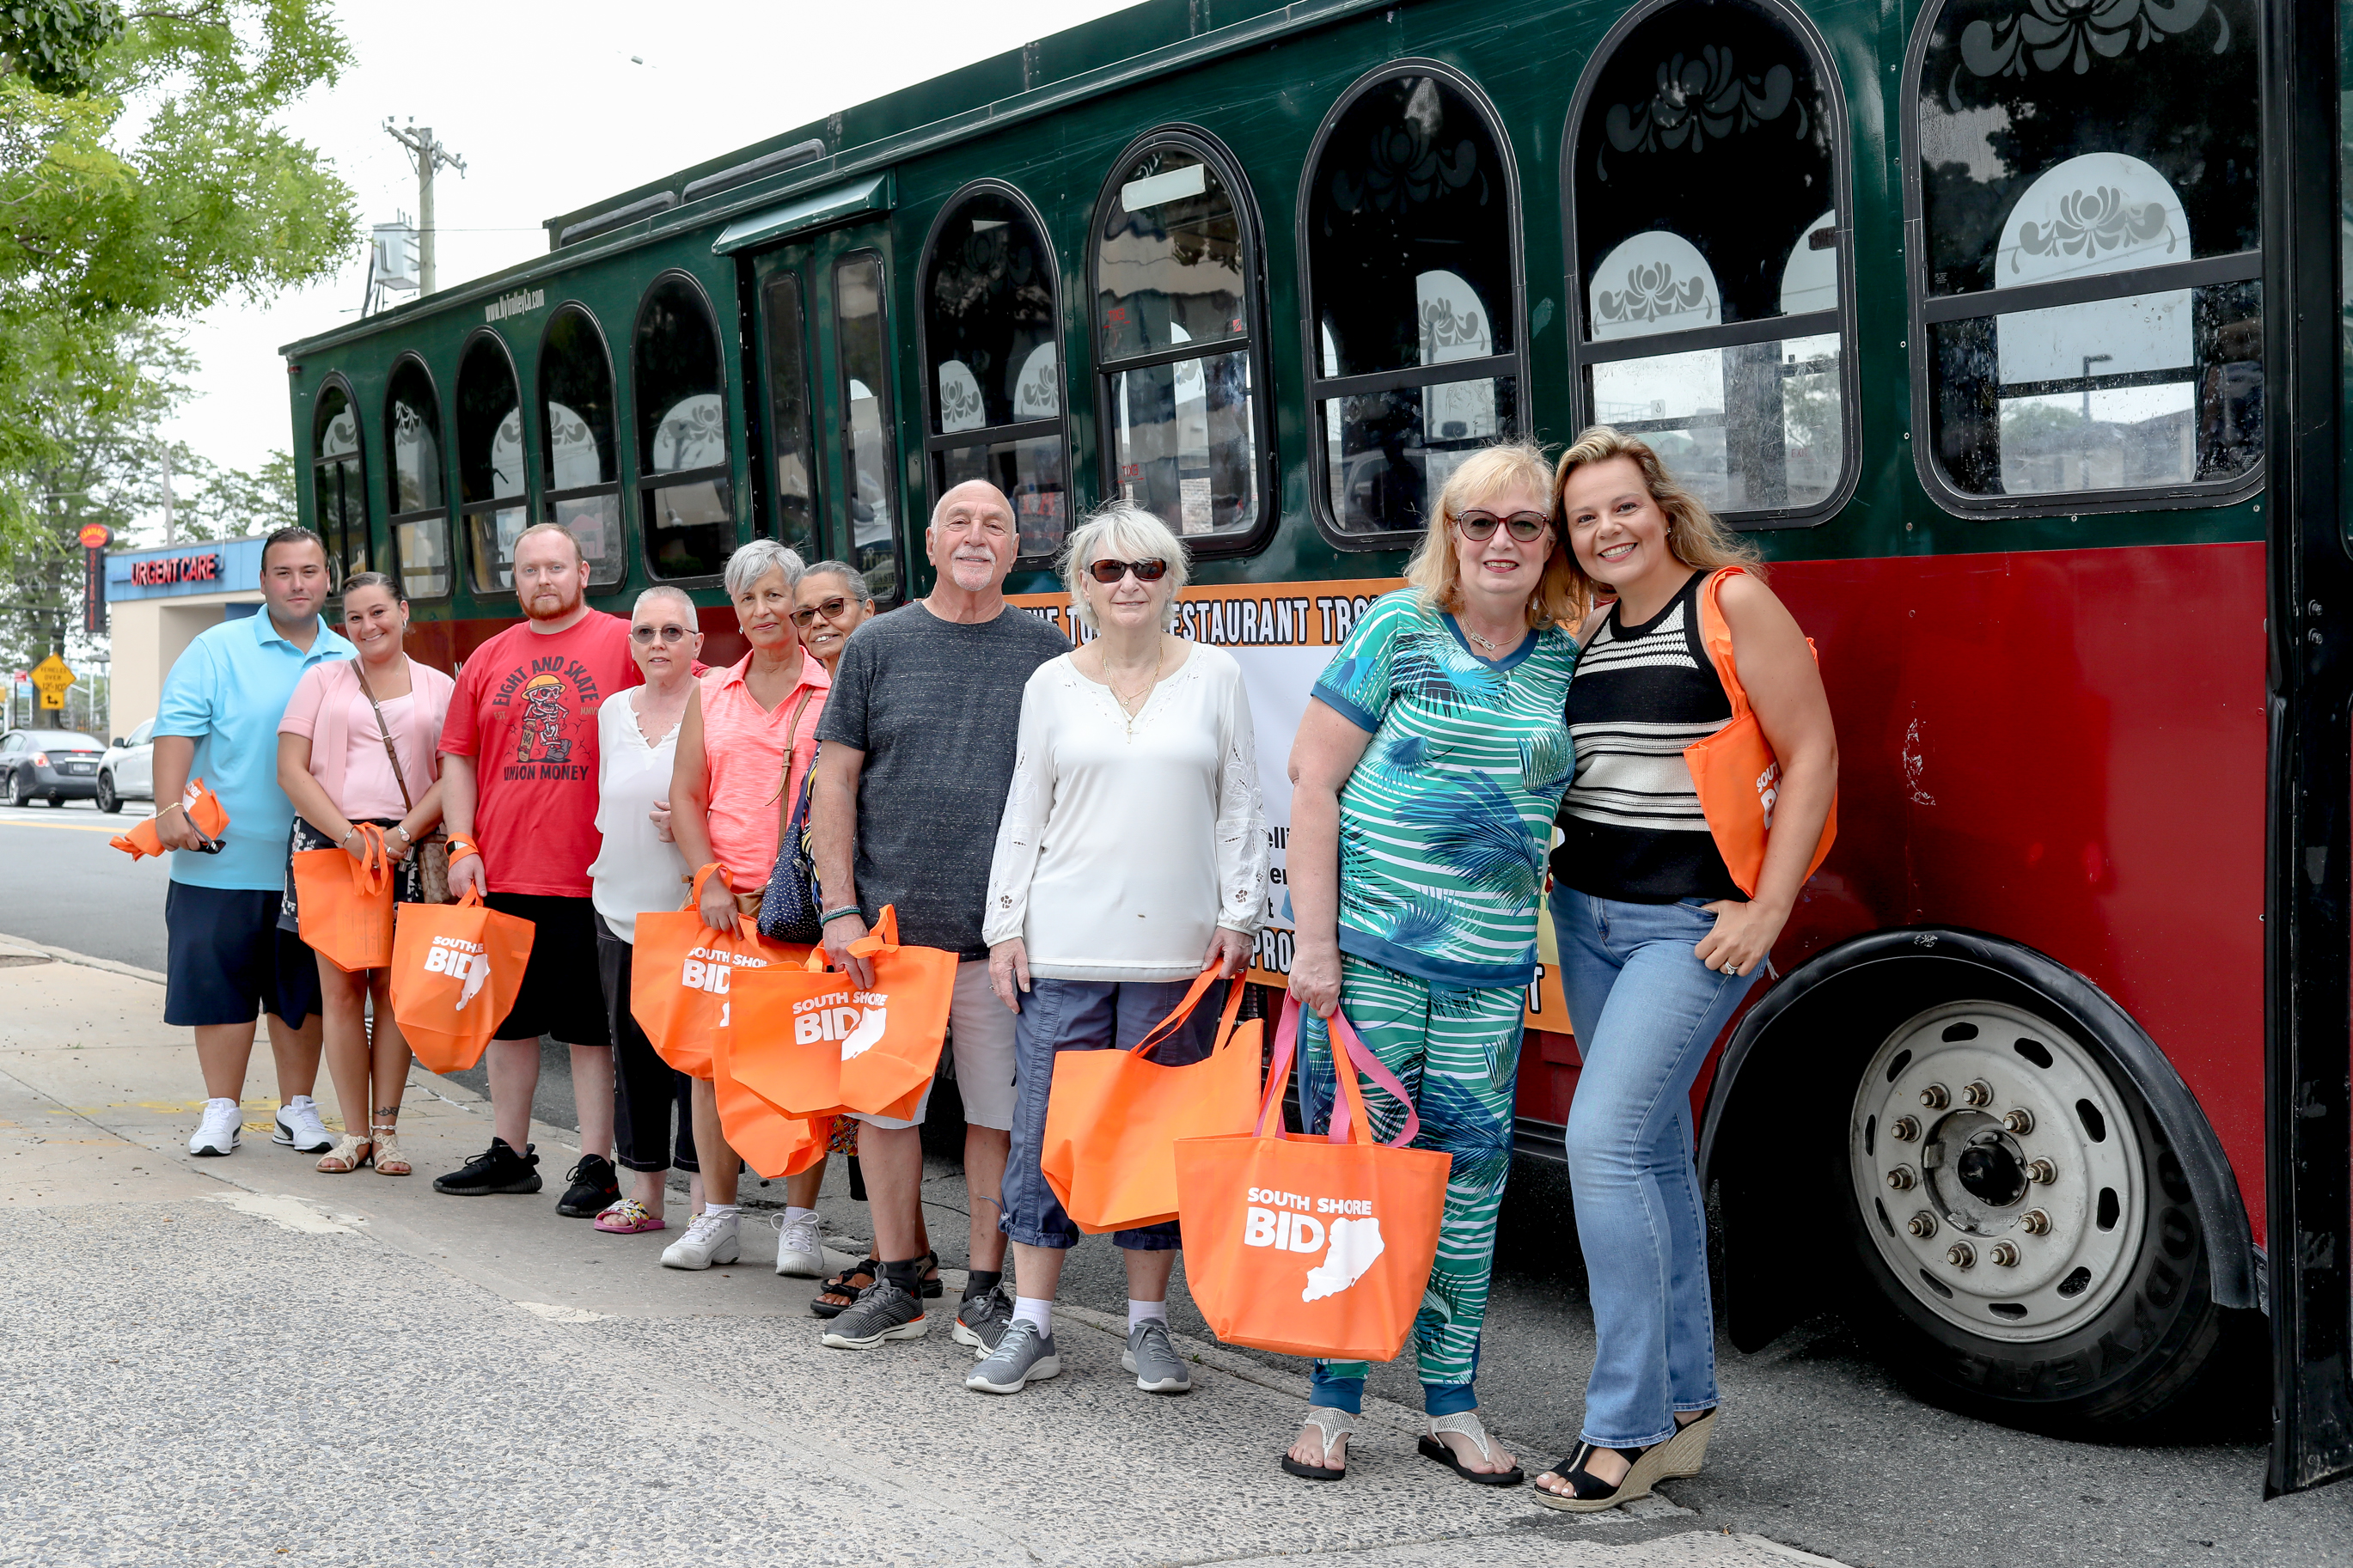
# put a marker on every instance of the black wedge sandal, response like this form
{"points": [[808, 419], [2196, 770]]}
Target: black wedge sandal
{"points": [[1589, 1493]]}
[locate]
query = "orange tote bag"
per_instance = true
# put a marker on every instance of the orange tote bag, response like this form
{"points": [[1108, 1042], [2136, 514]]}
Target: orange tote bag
{"points": [[1308, 1246], [1737, 776], [1113, 1118], [771, 1142], [346, 904], [203, 809], [682, 977], [811, 1042], [456, 970]]}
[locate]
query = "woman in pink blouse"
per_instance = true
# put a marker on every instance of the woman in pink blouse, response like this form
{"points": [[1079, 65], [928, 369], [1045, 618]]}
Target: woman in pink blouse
{"points": [[358, 744]]}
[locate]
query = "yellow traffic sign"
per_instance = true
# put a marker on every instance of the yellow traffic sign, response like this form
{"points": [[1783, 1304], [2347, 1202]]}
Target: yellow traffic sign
{"points": [[52, 676]]}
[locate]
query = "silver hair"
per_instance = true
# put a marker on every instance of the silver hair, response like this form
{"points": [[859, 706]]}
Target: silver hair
{"points": [[756, 560], [859, 588], [1130, 533], [667, 591]]}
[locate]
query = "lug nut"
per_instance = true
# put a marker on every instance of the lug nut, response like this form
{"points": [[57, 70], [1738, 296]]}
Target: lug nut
{"points": [[2041, 1171], [1935, 1098], [1921, 1225], [2004, 1253], [2019, 1121], [1900, 1178], [1977, 1093], [1961, 1255], [1904, 1129], [2034, 1222]]}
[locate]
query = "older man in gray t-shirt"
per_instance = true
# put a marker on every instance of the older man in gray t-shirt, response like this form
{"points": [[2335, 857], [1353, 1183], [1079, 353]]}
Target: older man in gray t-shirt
{"points": [[918, 735]]}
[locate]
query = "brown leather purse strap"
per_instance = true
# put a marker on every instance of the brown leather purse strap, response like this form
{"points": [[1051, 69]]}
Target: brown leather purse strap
{"points": [[785, 774], [398, 777]]}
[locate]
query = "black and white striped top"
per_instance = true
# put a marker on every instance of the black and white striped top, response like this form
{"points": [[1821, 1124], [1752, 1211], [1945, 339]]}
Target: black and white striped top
{"points": [[1631, 822]]}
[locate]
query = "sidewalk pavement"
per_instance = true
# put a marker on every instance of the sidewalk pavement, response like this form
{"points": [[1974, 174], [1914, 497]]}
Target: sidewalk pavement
{"points": [[240, 1360]]}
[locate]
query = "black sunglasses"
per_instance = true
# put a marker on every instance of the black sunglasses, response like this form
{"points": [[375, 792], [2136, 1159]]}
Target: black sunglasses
{"points": [[831, 609], [1113, 571], [1526, 526]]}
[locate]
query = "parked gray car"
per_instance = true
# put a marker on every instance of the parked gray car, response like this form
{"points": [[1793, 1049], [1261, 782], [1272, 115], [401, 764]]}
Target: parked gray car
{"points": [[55, 765]]}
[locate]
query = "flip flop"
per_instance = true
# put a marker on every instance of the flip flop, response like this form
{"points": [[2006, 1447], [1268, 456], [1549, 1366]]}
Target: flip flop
{"points": [[1466, 1423], [1334, 1425], [627, 1217]]}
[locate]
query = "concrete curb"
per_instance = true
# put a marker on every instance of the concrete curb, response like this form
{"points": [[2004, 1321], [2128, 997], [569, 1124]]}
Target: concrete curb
{"points": [[66, 955]]}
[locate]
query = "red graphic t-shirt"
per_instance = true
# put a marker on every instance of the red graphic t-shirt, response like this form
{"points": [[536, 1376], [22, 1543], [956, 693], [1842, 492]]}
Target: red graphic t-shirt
{"points": [[525, 710]]}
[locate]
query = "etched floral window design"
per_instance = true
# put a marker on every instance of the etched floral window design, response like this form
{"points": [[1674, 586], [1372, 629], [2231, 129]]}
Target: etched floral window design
{"points": [[579, 449], [337, 490], [686, 492], [992, 345], [420, 516], [1411, 250], [2088, 184], [1705, 192], [491, 476]]}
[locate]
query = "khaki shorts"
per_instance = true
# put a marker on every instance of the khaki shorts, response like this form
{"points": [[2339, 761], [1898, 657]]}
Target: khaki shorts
{"points": [[980, 1032]]}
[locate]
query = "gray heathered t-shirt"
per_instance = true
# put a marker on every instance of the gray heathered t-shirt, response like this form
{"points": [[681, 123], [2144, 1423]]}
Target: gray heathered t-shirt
{"points": [[936, 707]]}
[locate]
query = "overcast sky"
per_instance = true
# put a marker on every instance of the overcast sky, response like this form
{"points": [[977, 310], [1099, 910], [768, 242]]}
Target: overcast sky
{"points": [[551, 111]]}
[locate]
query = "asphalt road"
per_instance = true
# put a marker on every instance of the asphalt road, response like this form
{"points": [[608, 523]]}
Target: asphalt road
{"points": [[1822, 1446]]}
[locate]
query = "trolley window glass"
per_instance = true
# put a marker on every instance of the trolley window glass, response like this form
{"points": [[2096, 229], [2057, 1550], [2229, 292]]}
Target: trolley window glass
{"points": [[338, 494], [1175, 261], [1410, 229], [2086, 184], [579, 455], [686, 502], [992, 356], [491, 471], [869, 439], [420, 514], [792, 474], [1706, 201]]}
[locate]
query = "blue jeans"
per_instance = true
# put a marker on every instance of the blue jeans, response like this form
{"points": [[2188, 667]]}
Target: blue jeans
{"points": [[1646, 1012]]}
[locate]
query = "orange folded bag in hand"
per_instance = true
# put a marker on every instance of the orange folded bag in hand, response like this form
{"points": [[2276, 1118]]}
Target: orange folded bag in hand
{"points": [[346, 904], [771, 1142], [1314, 1246], [203, 809], [810, 1042], [1113, 1117], [456, 971], [1734, 771], [682, 978]]}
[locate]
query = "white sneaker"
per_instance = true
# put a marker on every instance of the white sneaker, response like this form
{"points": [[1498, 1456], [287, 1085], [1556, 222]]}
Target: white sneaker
{"points": [[798, 1252], [710, 1240], [221, 1128], [299, 1127]]}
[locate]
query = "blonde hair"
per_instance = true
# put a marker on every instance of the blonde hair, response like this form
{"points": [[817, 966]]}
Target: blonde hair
{"points": [[1694, 535], [1137, 536], [1561, 592]]}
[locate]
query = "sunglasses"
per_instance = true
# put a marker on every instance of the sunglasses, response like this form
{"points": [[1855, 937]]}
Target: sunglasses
{"points": [[1526, 526], [831, 609], [644, 636], [1113, 571]]}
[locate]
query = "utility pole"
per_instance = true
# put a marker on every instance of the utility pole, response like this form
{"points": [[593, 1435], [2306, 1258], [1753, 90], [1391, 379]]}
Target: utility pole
{"points": [[427, 154]]}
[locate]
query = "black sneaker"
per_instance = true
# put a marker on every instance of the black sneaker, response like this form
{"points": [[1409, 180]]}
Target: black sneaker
{"points": [[497, 1169], [594, 1185]]}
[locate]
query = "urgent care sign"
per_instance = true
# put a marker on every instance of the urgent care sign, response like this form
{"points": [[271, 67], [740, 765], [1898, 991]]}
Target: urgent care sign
{"points": [[173, 570]]}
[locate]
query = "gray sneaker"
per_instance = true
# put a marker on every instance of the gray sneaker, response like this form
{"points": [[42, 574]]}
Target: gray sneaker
{"points": [[1158, 1368], [980, 1321], [1022, 1355], [882, 1311]]}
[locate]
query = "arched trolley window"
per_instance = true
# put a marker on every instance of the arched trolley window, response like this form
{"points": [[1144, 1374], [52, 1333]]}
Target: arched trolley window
{"points": [[419, 511], [686, 501], [992, 363], [1408, 219], [1176, 270], [581, 464], [339, 495], [1707, 210], [2088, 287], [492, 477]]}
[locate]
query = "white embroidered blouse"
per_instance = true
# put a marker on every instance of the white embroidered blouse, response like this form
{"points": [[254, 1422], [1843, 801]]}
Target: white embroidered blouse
{"points": [[1123, 845]]}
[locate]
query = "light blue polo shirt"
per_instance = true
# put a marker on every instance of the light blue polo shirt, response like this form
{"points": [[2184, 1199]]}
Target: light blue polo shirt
{"points": [[228, 692]]}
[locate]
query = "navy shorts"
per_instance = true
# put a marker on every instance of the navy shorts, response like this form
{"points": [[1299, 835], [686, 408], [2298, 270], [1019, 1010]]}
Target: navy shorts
{"points": [[560, 995], [231, 963]]}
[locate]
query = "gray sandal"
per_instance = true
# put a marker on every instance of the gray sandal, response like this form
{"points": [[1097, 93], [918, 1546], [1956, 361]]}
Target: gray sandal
{"points": [[1334, 1425], [1466, 1423]]}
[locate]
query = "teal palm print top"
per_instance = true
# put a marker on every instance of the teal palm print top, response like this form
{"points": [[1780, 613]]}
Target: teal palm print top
{"points": [[1445, 822]]}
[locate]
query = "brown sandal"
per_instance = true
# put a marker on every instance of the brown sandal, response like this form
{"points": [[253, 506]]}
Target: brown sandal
{"points": [[350, 1153], [838, 1294]]}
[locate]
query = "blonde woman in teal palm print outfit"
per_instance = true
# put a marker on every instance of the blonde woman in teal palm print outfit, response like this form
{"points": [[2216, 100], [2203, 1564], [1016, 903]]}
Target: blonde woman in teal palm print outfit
{"points": [[1425, 778]]}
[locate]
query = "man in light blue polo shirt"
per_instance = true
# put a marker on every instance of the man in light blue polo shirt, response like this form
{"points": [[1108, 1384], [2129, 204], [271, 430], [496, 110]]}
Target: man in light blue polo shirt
{"points": [[229, 960]]}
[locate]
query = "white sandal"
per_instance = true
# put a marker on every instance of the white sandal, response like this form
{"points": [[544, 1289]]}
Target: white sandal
{"points": [[1334, 1425], [1465, 1424]]}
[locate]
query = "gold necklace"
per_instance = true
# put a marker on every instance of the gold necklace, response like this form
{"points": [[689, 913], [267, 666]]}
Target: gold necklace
{"points": [[1131, 705]]}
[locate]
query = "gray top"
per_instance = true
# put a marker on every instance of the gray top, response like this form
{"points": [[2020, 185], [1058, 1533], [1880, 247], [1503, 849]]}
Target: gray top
{"points": [[936, 707]]}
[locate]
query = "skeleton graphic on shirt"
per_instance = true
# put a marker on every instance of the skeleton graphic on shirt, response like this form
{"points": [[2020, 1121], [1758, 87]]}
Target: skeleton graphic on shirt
{"points": [[542, 721]]}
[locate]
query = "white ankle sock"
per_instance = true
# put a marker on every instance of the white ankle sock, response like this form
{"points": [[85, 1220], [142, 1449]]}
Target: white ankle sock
{"points": [[720, 1210], [1137, 1311], [792, 1214], [1039, 1312]]}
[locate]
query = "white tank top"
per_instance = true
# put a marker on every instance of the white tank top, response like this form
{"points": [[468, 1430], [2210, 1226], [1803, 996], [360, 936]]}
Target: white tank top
{"points": [[634, 873]]}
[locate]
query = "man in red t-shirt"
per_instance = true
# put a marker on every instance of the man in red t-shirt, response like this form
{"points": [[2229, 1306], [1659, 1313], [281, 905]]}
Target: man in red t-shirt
{"points": [[519, 781]]}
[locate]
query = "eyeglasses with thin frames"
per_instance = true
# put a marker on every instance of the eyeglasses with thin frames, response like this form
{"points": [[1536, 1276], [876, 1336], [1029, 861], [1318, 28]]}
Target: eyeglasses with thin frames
{"points": [[1526, 526], [644, 636], [832, 609]]}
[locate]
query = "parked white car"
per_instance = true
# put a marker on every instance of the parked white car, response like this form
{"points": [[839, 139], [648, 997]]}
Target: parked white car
{"points": [[127, 771]]}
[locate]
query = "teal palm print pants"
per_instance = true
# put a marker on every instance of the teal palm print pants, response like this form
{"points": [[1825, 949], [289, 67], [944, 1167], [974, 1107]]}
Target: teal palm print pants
{"points": [[1457, 1052]]}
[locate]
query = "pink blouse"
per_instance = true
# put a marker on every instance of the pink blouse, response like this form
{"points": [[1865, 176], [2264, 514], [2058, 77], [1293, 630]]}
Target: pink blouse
{"points": [[346, 754], [743, 750]]}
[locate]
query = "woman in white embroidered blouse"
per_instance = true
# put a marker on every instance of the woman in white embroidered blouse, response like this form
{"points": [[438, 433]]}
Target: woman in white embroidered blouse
{"points": [[1132, 855]]}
